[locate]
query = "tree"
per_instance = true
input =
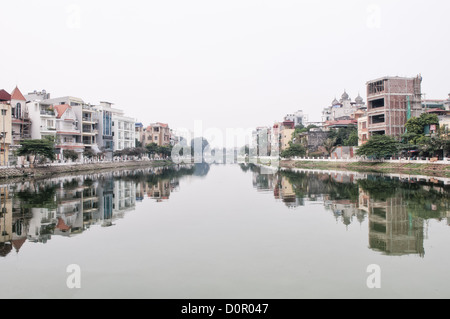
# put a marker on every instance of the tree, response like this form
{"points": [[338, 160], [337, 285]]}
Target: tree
{"points": [[89, 153], [431, 145], [165, 150], [329, 145], [299, 129], [43, 148], [379, 147], [245, 150], [352, 139], [345, 136], [415, 127], [139, 151], [70, 154], [152, 148], [138, 143], [293, 151]]}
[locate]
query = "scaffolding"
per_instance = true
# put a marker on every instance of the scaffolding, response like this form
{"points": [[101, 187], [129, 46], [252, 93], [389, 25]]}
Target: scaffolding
{"points": [[390, 97]]}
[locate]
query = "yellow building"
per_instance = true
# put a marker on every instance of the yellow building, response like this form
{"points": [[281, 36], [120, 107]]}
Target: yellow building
{"points": [[285, 138], [286, 130], [5, 132], [6, 231]]}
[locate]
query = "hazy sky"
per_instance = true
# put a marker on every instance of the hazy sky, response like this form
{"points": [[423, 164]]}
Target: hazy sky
{"points": [[233, 63]]}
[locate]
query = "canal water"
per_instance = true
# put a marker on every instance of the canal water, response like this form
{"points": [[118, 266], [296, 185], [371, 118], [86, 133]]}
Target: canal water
{"points": [[225, 232]]}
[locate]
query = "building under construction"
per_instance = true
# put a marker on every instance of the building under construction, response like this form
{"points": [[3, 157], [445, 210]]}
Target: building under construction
{"points": [[391, 101]]}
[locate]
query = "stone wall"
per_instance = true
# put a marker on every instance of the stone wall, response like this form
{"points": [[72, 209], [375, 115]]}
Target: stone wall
{"points": [[316, 140], [50, 170]]}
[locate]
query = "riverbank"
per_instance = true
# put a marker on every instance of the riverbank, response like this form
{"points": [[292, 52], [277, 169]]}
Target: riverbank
{"points": [[53, 170], [430, 169]]}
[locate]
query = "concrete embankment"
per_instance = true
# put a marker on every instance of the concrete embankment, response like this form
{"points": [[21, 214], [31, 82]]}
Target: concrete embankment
{"points": [[381, 167], [43, 171]]}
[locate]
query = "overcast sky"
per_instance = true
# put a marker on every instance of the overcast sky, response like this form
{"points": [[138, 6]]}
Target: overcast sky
{"points": [[233, 63]]}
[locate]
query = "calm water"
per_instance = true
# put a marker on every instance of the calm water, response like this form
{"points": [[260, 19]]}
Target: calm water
{"points": [[225, 231]]}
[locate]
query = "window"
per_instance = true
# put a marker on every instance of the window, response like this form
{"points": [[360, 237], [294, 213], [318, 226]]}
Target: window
{"points": [[376, 104], [18, 111], [156, 138], [378, 119], [107, 125]]}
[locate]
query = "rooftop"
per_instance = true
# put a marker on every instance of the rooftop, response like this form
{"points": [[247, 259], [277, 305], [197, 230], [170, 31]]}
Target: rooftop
{"points": [[61, 109], [4, 96], [17, 95]]}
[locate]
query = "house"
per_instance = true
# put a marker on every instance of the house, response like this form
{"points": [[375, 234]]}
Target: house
{"points": [[42, 115], [20, 119], [68, 132], [87, 117], [5, 132], [158, 133]]}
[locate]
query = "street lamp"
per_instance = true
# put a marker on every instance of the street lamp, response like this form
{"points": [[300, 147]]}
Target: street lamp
{"points": [[4, 137]]}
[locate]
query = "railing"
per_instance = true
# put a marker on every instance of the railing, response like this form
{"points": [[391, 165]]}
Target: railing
{"points": [[47, 112], [445, 161], [87, 119], [90, 131], [46, 128]]}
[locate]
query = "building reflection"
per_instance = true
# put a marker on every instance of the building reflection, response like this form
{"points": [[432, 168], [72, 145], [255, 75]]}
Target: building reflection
{"points": [[395, 209], [34, 211]]}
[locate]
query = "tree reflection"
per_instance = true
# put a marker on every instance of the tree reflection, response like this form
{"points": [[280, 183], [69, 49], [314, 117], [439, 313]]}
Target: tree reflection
{"points": [[395, 209]]}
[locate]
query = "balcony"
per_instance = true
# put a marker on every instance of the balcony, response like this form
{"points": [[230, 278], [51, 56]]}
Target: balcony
{"points": [[90, 132], [48, 112], [89, 120], [88, 108], [48, 129], [88, 142]]}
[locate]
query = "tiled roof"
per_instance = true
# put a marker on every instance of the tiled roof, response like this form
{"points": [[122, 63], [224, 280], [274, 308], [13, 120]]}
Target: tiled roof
{"points": [[4, 96], [17, 243], [437, 111], [61, 109], [17, 95], [61, 225]]}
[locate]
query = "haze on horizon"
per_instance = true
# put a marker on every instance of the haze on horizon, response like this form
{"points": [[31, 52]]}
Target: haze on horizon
{"points": [[229, 64]]}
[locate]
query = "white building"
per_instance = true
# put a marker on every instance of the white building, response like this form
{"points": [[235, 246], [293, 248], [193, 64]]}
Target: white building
{"points": [[105, 128], [87, 119], [344, 109], [42, 115], [447, 103], [124, 133], [124, 197], [299, 118], [68, 132]]}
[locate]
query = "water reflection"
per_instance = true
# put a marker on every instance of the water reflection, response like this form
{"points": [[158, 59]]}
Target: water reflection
{"points": [[34, 211], [395, 208]]}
